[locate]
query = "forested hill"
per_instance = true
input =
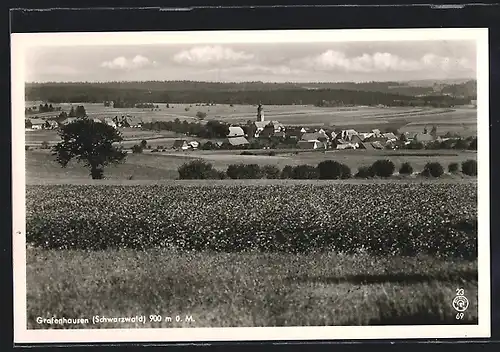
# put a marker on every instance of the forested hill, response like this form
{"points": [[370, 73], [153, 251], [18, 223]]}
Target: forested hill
{"points": [[224, 93], [411, 88]]}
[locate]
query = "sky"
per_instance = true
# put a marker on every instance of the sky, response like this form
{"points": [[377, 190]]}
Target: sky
{"points": [[287, 62]]}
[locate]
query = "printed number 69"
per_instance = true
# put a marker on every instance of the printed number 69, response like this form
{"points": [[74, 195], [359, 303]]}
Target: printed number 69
{"points": [[459, 316]]}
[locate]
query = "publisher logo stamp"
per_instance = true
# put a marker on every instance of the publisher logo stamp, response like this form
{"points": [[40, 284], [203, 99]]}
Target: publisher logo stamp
{"points": [[460, 303]]}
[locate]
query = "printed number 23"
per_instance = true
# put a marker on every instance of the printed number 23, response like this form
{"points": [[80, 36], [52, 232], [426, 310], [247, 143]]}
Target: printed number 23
{"points": [[460, 292]]}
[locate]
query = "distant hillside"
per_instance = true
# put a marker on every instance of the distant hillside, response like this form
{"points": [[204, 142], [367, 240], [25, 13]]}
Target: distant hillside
{"points": [[343, 93]]}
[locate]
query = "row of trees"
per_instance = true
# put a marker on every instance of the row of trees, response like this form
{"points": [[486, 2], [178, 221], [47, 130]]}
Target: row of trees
{"points": [[325, 170], [209, 130], [41, 108]]}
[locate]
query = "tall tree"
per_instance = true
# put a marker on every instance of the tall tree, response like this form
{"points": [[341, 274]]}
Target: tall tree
{"points": [[434, 131], [90, 143]]}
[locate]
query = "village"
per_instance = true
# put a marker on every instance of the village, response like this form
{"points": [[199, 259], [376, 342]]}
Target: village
{"points": [[257, 134]]}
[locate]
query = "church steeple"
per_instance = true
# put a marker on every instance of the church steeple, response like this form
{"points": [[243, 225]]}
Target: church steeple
{"points": [[260, 113]]}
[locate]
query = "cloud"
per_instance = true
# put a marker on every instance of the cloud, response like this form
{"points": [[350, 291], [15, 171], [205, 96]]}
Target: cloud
{"points": [[207, 55], [122, 63], [332, 60]]}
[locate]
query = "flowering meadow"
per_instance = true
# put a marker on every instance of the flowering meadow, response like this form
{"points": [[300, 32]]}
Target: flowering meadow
{"points": [[438, 219]]}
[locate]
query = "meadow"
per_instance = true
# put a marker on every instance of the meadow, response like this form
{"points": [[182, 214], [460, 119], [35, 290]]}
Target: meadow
{"points": [[41, 166], [245, 289], [291, 254], [461, 120]]}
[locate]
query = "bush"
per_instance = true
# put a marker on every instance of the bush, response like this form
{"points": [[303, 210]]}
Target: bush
{"points": [[330, 170], [27, 148], [272, 153], [246, 153], [45, 145], [469, 167], [453, 168], [345, 172], [197, 170], [271, 171], [406, 169], [433, 169], [186, 109], [305, 172], [144, 144], [201, 115], [473, 144], [287, 172], [137, 149], [461, 144], [365, 172], [244, 171], [383, 168]]}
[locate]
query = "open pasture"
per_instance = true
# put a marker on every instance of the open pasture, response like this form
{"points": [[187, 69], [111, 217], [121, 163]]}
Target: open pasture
{"points": [[304, 115], [41, 165], [131, 136]]}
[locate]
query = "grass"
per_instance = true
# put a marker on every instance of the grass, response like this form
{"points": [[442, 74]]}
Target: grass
{"points": [[246, 290], [40, 165]]}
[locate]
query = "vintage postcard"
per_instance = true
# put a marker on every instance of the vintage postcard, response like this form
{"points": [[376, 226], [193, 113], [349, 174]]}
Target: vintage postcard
{"points": [[251, 185]]}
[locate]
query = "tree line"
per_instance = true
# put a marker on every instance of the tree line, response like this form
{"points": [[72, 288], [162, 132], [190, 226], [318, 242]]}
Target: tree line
{"points": [[467, 88], [88, 93]]}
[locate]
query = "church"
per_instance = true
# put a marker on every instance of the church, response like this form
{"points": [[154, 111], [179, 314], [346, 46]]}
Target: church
{"points": [[263, 128]]}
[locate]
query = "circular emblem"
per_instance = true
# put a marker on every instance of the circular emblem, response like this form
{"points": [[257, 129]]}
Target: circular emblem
{"points": [[460, 303]]}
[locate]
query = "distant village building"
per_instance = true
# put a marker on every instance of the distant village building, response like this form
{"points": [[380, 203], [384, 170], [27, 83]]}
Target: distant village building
{"points": [[263, 128], [194, 144], [37, 124], [181, 144], [68, 120], [108, 121], [311, 144], [51, 124], [235, 131], [236, 137]]}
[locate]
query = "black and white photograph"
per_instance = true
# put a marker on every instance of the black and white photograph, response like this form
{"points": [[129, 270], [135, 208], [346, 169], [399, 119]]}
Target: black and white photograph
{"points": [[251, 185]]}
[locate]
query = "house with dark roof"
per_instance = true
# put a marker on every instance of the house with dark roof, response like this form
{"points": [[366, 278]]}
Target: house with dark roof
{"points": [[51, 124], [311, 144], [132, 122], [181, 144], [319, 136]]}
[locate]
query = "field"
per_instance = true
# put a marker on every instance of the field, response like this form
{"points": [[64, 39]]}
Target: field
{"points": [[253, 252], [461, 120], [216, 289], [41, 166], [390, 253]]}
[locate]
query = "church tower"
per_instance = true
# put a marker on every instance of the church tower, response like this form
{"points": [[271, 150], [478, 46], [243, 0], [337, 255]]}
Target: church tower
{"points": [[260, 113]]}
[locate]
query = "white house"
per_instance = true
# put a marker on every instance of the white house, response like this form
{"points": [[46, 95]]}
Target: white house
{"points": [[37, 124]]}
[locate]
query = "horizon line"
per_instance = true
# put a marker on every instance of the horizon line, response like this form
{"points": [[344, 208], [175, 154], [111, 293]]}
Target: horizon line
{"points": [[258, 81]]}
